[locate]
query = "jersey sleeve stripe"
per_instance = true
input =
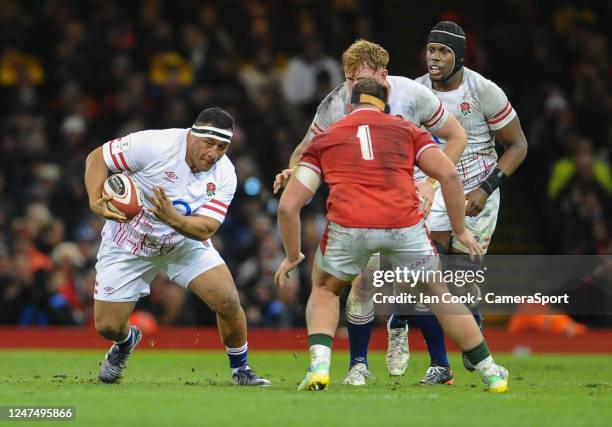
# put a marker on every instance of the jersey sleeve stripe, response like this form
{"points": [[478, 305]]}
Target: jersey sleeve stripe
{"points": [[425, 147], [506, 114], [217, 202], [212, 208], [311, 166], [110, 147], [501, 111], [316, 129], [107, 156], [436, 117], [122, 157], [319, 128]]}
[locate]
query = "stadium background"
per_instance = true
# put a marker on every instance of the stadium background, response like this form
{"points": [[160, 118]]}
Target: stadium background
{"points": [[76, 74]]}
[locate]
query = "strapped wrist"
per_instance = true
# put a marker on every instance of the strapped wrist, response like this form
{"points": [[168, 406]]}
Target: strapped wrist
{"points": [[494, 181]]}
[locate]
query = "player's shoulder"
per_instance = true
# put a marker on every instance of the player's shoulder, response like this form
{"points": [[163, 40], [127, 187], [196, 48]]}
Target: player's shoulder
{"points": [[226, 164], [401, 84], [424, 80], [338, 95], [161, 134], [407, 89], [479, 83], [160, 139], [225, 168]]}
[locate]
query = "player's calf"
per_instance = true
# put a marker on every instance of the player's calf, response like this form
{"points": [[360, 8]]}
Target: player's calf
{"points": [[459, 324], [110, 330], [216, 288]]}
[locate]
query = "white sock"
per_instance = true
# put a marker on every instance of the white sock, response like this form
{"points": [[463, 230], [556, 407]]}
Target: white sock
{"points": [[320, 354], [486, 366]]}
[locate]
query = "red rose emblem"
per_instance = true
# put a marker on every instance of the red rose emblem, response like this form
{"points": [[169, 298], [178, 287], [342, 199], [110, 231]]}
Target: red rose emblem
{"points": [[465, 107], [211, 188]]}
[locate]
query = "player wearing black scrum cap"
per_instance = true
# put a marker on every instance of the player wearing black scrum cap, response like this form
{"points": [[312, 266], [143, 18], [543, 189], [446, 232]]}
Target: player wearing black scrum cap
{"points": [[485, 113]]}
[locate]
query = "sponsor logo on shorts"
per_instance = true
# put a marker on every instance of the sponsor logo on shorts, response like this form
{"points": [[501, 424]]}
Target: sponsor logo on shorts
{"points": [[108, 290]]}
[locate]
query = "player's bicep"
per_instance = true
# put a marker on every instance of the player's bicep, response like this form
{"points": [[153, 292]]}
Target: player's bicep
{"points": [[454, 135], [128, 154], [432, 113], [435, 163], [114, 154], [511, 134], [295, 196], [495, 106], [300, 148], [217, 207], [451, 129]]}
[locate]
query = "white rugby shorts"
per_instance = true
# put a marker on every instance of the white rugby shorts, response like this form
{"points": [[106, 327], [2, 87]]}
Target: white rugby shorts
{"points": [[481, 226], [124, 277], [345, 251]]}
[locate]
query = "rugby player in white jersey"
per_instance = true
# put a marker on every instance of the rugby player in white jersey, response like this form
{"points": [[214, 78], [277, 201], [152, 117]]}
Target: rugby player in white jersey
{"points": [[413, 102], [485, 113], [188, 183]]}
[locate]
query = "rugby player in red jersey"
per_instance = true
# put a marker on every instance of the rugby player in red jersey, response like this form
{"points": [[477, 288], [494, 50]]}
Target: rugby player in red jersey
{"points": [[367, 159]]}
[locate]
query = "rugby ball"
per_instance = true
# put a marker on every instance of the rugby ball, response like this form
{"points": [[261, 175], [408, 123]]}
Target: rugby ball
{"points": [[127, 197]]}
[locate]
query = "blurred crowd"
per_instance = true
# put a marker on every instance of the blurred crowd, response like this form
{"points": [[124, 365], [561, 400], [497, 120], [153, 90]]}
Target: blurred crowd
{"points": [[76, 74]]}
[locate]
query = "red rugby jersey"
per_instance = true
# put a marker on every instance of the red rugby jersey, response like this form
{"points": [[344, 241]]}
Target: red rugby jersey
{"points": [[367, 159]]}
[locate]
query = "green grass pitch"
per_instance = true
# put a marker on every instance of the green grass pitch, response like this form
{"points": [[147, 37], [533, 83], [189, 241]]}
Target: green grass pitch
{"points": [[180, 388]]}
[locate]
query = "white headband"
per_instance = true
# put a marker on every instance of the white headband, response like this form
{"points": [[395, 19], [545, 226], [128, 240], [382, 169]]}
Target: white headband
{"points": [[224, 135]]}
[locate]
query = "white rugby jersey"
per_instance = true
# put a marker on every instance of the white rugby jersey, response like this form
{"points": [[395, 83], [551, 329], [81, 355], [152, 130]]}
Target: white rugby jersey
{"points": [[156, 158], [407, 98], [481, 107]]}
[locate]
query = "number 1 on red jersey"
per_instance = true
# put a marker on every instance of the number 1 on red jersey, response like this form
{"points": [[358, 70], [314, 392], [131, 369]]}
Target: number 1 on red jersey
{"points": [[365, 141]]}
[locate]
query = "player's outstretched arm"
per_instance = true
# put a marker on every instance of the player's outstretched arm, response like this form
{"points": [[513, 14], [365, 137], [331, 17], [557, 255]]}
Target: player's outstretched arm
{"points": [[513, 139], [299, 190], [435, 164], [96, 173], [282, 178], [195, 227], [456, 141]]}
